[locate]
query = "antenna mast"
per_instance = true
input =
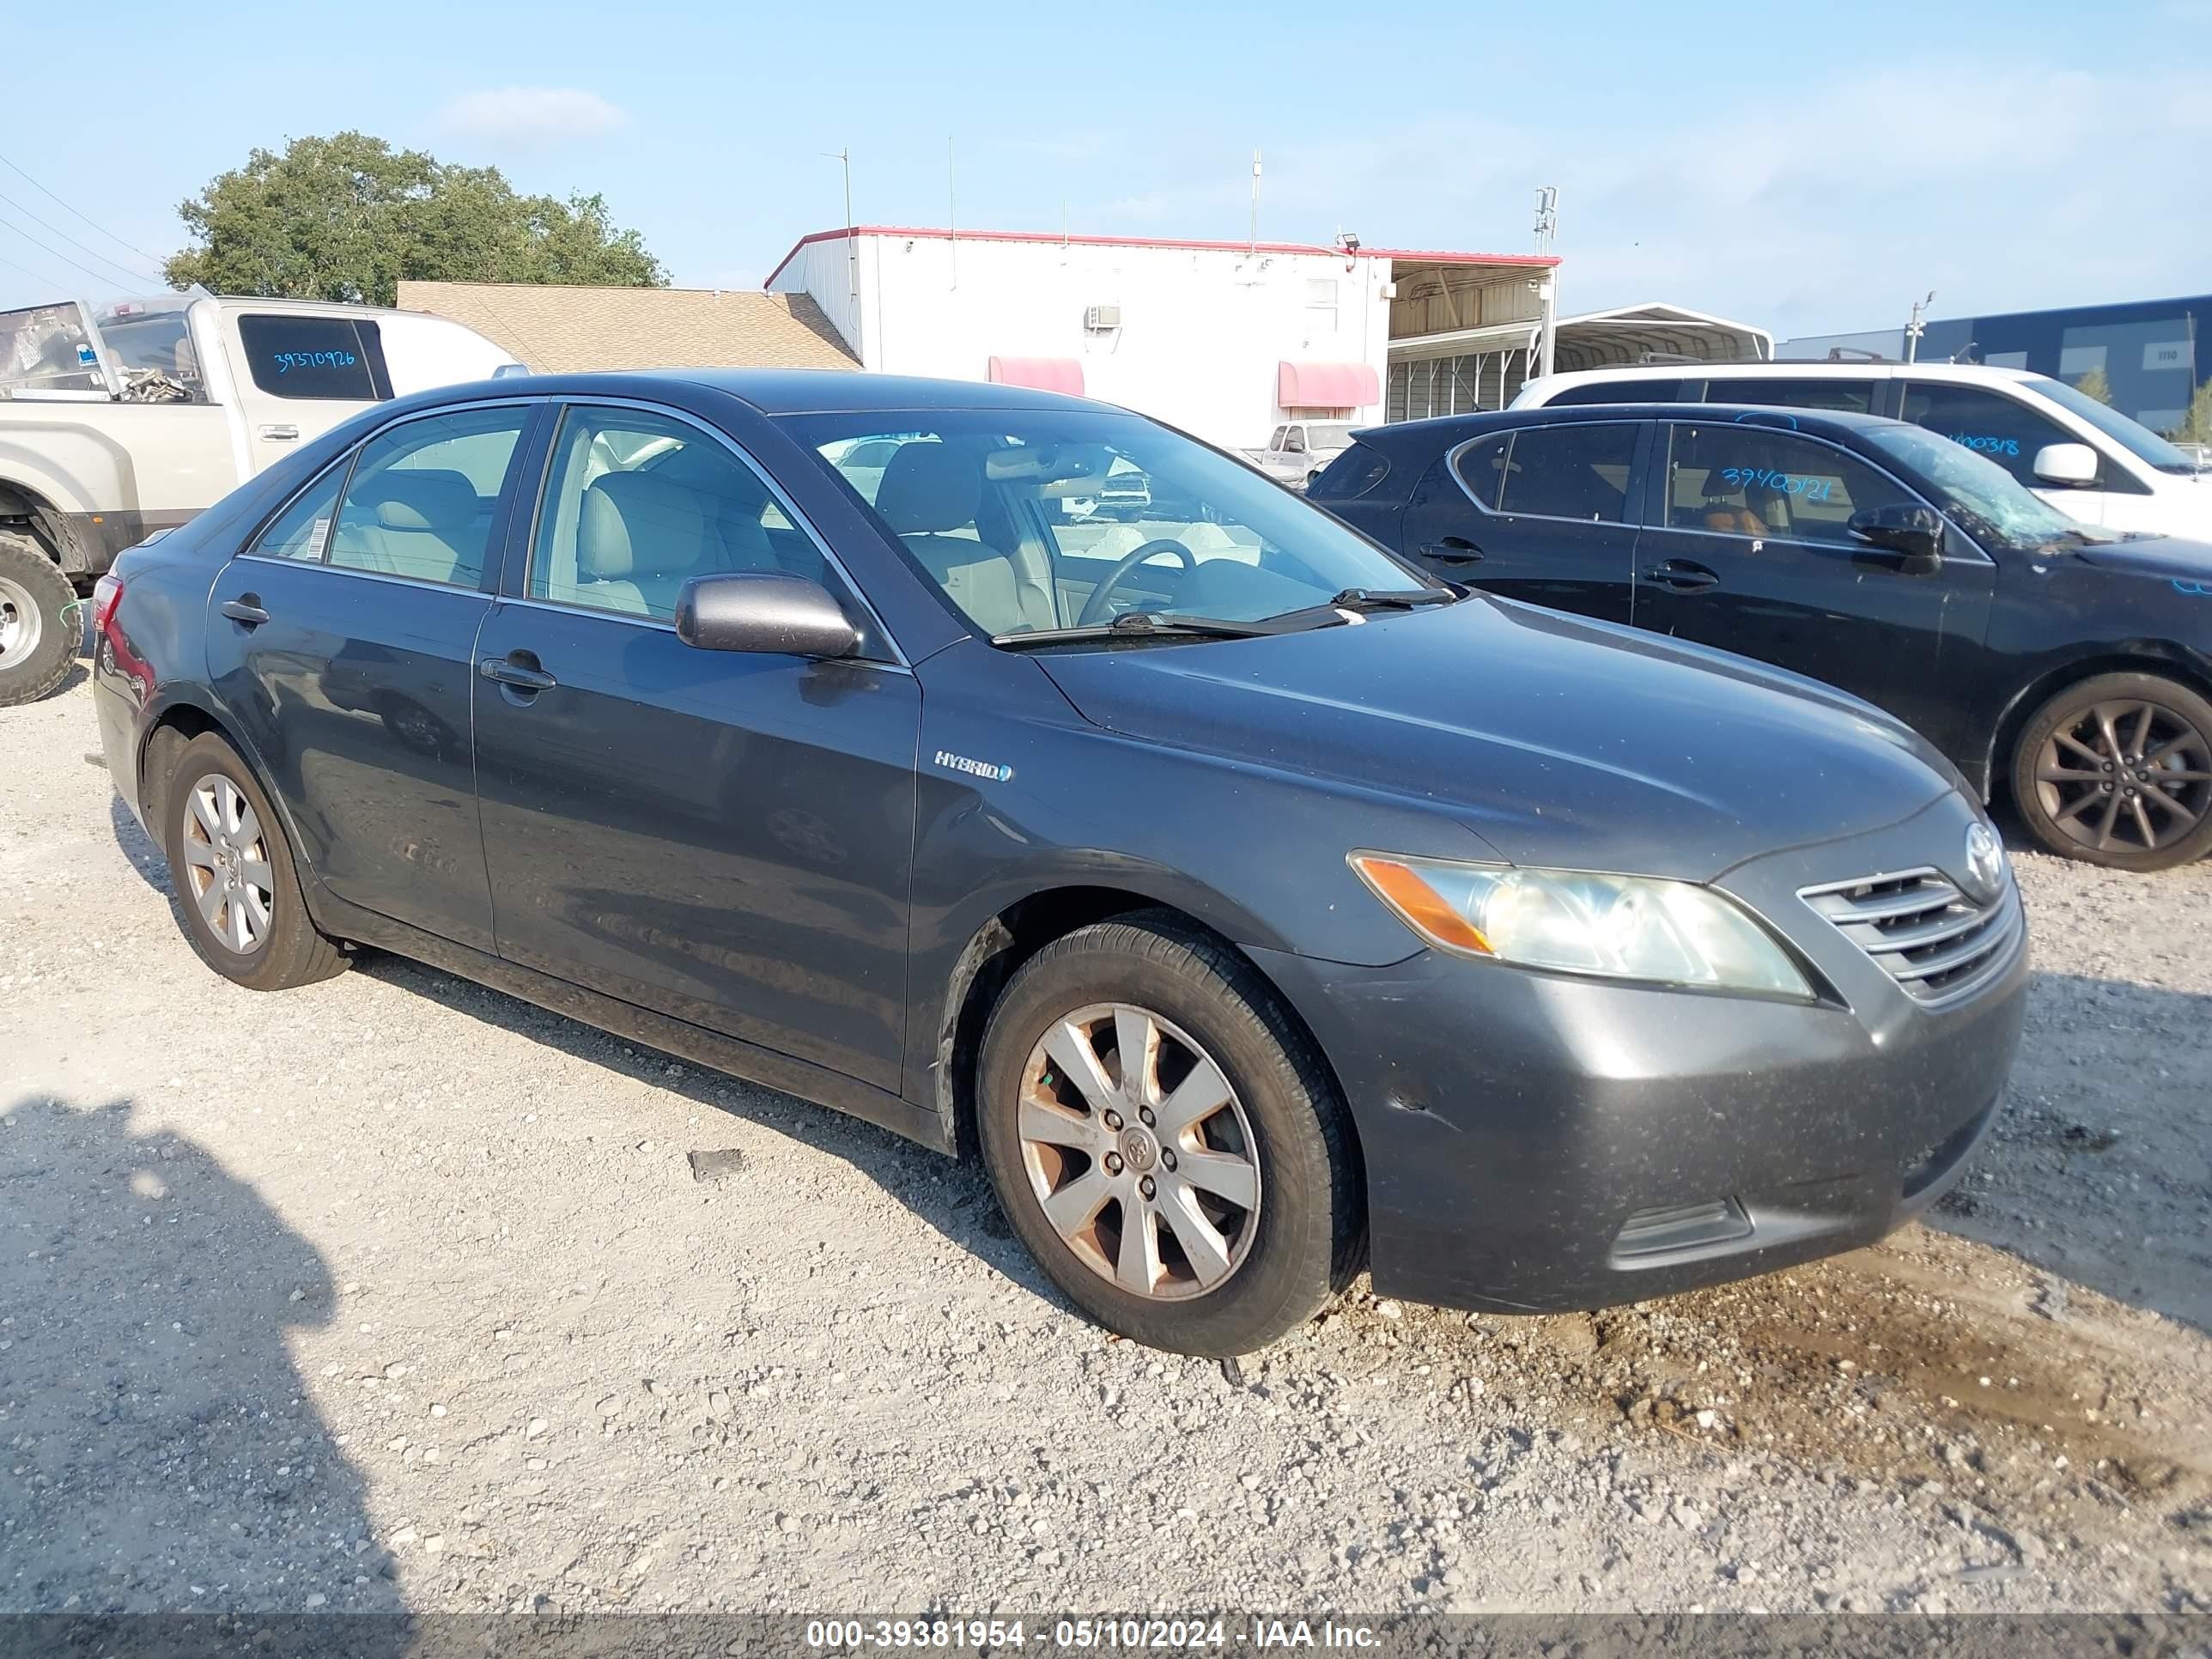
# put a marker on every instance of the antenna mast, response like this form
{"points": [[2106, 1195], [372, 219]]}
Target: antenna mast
{"points": [[1254, 246]]}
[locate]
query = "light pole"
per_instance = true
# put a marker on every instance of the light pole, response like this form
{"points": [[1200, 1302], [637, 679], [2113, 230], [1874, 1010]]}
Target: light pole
{"points": [[1916, 327]]}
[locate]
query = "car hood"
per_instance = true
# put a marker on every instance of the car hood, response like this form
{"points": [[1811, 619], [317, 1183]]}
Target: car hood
{"points": [[2169, 557], [1558, 740]]}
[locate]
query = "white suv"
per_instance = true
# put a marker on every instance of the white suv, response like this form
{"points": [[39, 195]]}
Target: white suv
{"points": [[2083, 457]]}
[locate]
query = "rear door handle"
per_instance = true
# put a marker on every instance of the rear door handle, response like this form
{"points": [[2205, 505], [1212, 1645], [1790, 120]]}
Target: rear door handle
{"points": [[245, 610], [282, 434], [1453, 550], [1683, 575], [521, 676]]}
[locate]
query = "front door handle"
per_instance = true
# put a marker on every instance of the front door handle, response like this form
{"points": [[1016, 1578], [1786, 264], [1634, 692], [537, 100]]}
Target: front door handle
{"points": [[1453, 550], [1683, 575], [280, 434], [523, 676], [245, 610]]}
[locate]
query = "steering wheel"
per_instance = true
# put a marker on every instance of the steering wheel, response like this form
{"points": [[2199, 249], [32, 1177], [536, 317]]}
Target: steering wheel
{"points": [[1094, 608]]}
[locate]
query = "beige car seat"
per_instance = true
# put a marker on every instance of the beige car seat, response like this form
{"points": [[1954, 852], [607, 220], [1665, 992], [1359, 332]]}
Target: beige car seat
{"points": [[930, 489]]}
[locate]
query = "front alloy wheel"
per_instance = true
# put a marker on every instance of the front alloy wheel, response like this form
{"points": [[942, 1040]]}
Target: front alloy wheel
{"points": [[2118, 771], [1139, 1152]]}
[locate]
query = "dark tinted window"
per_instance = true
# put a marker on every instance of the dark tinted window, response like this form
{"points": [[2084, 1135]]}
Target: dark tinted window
{"points": [[1755, 481], [1481, 468], [1852, 396], [423, 495], [1988, 424], [315, 357], [1622, 391], [1354, 472], [1571, 472]]}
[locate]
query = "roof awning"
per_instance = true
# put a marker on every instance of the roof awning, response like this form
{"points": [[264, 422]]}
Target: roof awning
{"points": [[1041, 374], [1327, 386]]}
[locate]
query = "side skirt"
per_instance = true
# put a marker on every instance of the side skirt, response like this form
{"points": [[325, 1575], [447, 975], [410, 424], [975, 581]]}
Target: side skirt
{"points": [[711, 1049]]}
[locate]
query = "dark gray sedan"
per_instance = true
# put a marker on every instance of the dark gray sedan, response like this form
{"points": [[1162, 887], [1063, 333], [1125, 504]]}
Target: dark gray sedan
{"points": [[1255, 906]]}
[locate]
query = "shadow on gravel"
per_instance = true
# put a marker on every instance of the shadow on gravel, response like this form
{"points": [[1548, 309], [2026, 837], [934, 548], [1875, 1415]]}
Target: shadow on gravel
{"points": [[956, 1199], [2100, 1166], [162, 1453], [151, 864]]}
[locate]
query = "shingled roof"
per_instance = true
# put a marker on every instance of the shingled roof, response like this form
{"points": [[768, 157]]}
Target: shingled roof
{"points": [[554, 328]]}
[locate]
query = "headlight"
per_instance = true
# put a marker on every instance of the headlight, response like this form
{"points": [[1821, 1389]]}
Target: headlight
{"points": [[1674, 932]]}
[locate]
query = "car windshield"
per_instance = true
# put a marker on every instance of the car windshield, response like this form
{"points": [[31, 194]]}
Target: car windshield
{"points": [[1988, 501], [1035, 521], [2133, 436]]}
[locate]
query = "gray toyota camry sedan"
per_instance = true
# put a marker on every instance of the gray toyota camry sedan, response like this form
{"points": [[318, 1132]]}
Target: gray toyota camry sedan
{"points": [[1255, 906]]}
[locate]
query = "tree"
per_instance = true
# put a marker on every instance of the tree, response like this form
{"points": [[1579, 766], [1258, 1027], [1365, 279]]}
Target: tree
{"points": [[2197, 425], [346, 217], [2096, 384]]}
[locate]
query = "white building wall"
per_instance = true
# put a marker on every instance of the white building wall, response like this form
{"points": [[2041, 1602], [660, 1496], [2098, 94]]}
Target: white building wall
{"points": [[1202, 331]]}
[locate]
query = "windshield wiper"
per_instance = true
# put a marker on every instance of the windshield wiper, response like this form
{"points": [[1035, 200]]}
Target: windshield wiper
{"points": [[1396, 599], [1150, 624]]}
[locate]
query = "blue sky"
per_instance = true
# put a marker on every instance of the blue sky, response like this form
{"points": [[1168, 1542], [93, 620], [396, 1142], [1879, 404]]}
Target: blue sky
{"points": [[1806, 167]]}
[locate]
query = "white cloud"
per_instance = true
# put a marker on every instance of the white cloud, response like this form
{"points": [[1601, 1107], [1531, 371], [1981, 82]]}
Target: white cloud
{"points": [[531, 118]]}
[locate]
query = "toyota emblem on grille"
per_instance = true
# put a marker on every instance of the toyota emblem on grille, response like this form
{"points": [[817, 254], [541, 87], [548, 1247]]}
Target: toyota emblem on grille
{"points": [[1984, 863]]}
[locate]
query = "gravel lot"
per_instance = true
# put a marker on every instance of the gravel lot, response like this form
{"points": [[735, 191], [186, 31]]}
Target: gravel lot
{"points": [[394, 1293]]}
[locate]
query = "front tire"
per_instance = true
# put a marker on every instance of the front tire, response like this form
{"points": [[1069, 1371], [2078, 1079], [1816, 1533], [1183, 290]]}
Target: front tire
{"points": [[37, 645], [1207, 1201], [235, 877], [2118, 771]]}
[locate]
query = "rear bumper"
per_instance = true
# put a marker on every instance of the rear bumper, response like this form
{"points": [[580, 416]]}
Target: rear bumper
{"points": [[1537, 1142]]}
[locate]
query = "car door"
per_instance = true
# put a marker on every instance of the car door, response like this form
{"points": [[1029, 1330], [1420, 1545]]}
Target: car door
{"points": [[1536, 512], [1748, 547], [302, 375], [343, 641], [721, 836]]}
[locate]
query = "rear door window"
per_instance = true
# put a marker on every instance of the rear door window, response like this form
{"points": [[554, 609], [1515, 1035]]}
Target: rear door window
{"points": [[1754, 481], [1854, 396], [327, 359], [1482, 468], [1579, 472], [301, 530], [425, 494], [2004, 429]]}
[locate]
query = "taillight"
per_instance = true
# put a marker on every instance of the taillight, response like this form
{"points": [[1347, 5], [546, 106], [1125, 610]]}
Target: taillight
{"points": [[107, 595]]}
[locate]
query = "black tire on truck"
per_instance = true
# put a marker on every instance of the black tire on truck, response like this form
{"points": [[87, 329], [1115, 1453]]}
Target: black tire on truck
{"points": [[38, 642]]}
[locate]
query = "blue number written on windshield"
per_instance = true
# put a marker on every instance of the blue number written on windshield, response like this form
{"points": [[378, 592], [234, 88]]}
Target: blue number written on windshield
{"points": [[288, 361], [1982, 444], [1790, 483]]}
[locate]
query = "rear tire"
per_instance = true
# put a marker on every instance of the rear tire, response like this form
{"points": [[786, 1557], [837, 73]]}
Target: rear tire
{"points": [[1249, 1214], [235, 879], [37, 644], [2116, 771]]}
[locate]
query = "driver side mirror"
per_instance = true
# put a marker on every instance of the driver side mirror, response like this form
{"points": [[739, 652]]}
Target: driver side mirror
{"points": [[767, 613], [2072, 465], [1915, 532]]}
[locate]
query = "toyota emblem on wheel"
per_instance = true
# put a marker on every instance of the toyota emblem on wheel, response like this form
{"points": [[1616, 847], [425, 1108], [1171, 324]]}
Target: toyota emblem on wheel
{"points": [[1984, 862]]}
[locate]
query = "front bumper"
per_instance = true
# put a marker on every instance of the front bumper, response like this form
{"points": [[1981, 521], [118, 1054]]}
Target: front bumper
{"points": [[1537, 1141]]}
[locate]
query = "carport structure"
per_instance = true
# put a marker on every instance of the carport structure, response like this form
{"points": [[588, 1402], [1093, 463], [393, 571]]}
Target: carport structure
{"points": [[1452, 371]]}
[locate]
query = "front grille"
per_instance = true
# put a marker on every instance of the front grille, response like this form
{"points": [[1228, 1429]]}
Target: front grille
{"points": [[1935, 940]]}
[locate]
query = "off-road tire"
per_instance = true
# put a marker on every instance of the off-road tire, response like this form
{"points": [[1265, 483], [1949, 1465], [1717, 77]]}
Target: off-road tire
{"points": [[28, 572], [290, 953], [1311, 1221]]}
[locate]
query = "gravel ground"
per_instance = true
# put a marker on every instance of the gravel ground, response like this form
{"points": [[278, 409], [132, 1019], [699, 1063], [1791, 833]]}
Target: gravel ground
{"points": [[394, 1293]]}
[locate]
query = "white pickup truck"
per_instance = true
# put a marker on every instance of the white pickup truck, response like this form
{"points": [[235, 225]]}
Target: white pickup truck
{"points": [[1299, 449], [119, 424]]}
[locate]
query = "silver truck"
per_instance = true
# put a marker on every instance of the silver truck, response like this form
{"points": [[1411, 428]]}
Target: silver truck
{"points": [[118, 424], [1299, 449]]}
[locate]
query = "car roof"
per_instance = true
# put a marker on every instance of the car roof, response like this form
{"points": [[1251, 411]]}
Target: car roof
{"points": [[1784, 369], [796, 391], [1452, 428]]}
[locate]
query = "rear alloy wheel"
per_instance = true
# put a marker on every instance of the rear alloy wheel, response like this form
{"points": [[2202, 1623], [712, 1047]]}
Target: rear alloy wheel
{"points": [[1165, 1141], [36, 644], [234, 874], [2118, 771]]}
